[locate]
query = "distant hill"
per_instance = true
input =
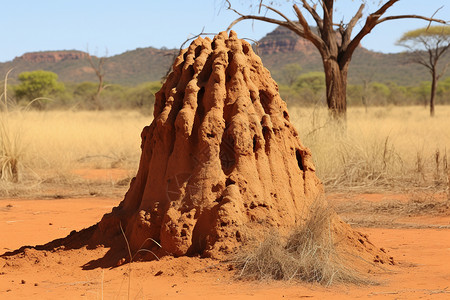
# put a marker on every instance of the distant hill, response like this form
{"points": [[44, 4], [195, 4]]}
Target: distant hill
{"points": [[129, 68], [282, 46], [277, 48]]}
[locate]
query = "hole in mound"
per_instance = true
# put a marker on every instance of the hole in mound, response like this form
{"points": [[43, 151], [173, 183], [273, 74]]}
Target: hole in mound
{"points": [[299, 160], [206, 71], [190, 71], [230, 56], [216, 188], [245, 48], [238, 236], [198, 50], [265, 100], [254, 142], [229, 181], [200, 108], [226, 154], [286, 115]]}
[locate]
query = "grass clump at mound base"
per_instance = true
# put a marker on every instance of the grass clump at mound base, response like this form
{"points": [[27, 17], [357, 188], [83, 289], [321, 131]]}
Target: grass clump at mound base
{"points": [[308, 254]]}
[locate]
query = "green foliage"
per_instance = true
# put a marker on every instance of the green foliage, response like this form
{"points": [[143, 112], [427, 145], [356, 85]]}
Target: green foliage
{"points": [[115, 96], [355, 94], [289, 73], [143, 95], [38, 84], [312, 80], [435, 32], [85, 89]]}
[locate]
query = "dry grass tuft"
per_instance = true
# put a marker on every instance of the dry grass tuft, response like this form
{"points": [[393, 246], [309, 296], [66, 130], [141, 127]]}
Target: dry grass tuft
{"points": [[11, 150], [308, 254]]}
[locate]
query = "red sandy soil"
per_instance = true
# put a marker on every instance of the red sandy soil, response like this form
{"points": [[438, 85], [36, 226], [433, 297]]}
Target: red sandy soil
{"points": [[422, 256]]}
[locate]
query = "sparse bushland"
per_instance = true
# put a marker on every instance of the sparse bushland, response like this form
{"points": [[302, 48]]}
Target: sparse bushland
{"points": [[113, 97], [308, 89], [385, 147]]}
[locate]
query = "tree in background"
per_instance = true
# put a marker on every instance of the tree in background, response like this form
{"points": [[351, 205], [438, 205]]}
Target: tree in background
{"points": [[334, 40], [143, 95], [97, 65], [290, 72], [37, 85], [426, 47]]}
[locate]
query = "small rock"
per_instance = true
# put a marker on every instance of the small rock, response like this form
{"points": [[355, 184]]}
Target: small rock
{"points": [[22, 281], [120, 262], [158, 273]]}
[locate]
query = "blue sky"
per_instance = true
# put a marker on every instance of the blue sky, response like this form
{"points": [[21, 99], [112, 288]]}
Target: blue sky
{"points": [[114, 27]]}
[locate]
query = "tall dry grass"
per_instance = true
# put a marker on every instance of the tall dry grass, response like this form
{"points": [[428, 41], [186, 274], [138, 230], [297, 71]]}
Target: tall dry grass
{"points": [[49, 146], [387, 147]]}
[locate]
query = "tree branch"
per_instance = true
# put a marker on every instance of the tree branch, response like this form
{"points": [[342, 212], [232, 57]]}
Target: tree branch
{"points": [[309, 35], [411, 17], [314, 14], [288, 23], [383, 9], [346, 35], [259, 18], [303, 31], [372, 21]]}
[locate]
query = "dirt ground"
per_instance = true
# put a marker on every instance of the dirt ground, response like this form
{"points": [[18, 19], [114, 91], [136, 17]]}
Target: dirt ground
{"points": [[419, 243]]}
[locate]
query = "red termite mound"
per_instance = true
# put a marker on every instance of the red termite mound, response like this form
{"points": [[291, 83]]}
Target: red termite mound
{"points": [[220, 159], [220, 153]]}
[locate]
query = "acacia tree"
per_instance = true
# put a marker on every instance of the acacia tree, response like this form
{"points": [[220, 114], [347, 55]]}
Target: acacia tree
{"points": [[426, 47], [334, 40]]}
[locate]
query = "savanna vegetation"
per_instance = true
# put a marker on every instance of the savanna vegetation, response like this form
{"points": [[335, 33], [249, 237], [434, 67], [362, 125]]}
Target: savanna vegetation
{"points": [[390, 143], [50, 128]]}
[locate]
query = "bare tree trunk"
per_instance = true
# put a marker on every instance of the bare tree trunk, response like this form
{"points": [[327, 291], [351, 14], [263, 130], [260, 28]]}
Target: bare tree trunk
{"points": [[433, 92], [364, 97], [97, 99], [336, 88], [100, 73]]}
